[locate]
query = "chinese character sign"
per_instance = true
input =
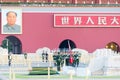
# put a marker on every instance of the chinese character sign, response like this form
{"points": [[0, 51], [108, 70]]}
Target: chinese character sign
{"points": [[87, 20]]}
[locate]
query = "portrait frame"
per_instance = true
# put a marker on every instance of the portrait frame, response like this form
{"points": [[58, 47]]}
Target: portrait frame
{"points": [[4, 20]]}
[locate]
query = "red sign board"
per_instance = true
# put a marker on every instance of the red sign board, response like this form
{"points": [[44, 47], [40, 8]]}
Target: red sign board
{"points": [[87, 20]]}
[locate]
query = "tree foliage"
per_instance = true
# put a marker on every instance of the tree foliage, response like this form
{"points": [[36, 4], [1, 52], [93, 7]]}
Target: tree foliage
{"points": [[7, 44]]}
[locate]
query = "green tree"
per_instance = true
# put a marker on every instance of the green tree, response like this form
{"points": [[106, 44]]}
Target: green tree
{"points": [[58, 60], [7, 44]]}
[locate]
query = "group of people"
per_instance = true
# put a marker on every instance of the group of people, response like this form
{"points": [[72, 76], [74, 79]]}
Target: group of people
{"points": [[72, 60], [45, 56]]}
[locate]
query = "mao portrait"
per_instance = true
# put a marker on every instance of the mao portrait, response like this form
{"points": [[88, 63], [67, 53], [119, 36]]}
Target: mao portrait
{"points": [[11, 21]]}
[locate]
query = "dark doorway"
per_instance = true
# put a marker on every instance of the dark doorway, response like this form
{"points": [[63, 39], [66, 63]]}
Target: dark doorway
{"points": [[14, 44], [66, 43]]}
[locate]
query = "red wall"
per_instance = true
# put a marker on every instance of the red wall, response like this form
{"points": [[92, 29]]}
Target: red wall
{"points": [[38, 31], [65, 1]]}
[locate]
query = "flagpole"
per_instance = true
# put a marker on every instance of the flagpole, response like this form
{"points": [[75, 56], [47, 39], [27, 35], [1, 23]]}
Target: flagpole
{"points": [[71, 59], [69, 47]]}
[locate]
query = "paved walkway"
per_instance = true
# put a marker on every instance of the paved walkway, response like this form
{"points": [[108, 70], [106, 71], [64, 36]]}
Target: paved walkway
{"points": [[68, 79], [2, 77]]}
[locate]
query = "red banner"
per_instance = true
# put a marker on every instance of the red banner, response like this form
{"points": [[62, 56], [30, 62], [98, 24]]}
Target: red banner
{"points": [[87, 20]]}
